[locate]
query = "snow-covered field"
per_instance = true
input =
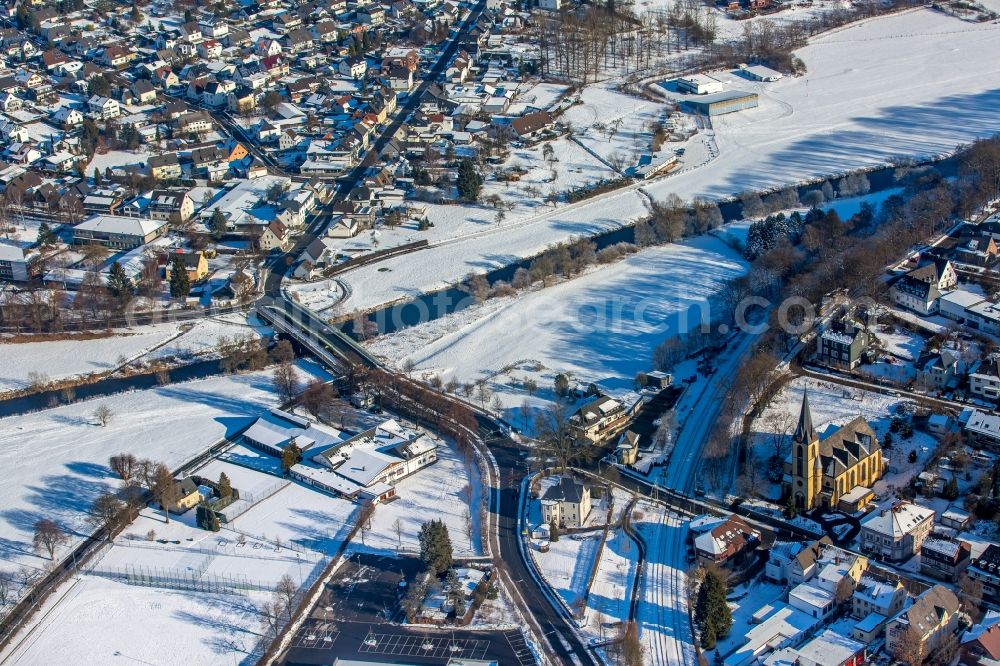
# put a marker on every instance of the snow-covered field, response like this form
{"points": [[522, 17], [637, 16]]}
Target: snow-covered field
{"points": [[912, 84], [566, 567], [62, 359], [600, 327], [56, 460], [102, 621], [445, 491]]}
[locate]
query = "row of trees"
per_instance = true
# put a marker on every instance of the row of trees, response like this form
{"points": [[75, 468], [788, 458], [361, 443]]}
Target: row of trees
{"points": [[564, 260]]}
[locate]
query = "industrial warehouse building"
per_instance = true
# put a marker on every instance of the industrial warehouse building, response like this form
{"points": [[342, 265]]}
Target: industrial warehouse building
{"points": [[700, 84], [760, 73], [724, 102]]}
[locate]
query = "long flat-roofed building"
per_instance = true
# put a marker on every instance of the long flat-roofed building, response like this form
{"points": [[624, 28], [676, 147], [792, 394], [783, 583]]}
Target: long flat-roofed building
{"points": [[700, 84], [721, 103], [117, 232]]}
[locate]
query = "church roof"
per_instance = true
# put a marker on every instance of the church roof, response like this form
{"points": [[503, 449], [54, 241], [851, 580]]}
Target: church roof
{"points": [[850, 444], [805, 432]]}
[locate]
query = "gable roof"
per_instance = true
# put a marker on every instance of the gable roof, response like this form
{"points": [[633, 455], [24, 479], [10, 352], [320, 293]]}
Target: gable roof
{"points": [[567, 490]]}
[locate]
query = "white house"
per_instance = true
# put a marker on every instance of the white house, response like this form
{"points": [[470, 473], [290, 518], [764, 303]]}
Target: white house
{"points": [[566, 503], [896, 533], [812, 600], [104, 107]]}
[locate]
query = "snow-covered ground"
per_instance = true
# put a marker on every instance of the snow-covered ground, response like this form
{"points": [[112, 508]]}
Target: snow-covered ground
{"points": [[57, 459], [101, 621], [566, 566], [912, 84], [62, 359], [744, 601], [539, 96], [611, 591], [626, 118], [59, 359], [449, 490], [600, 327]]}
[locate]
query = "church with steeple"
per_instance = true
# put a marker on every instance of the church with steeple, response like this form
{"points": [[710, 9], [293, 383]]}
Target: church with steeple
{"points": [[835, 472]]}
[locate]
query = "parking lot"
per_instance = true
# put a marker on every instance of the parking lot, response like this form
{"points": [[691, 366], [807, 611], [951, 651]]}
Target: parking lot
{"points": [[366, 588], [442, 647], [321, 641]]}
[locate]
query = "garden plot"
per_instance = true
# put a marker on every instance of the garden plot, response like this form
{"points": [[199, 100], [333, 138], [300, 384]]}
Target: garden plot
{"points": [[567, 565], [610, 123], [540, 96], [901, 343], [744, 601]]}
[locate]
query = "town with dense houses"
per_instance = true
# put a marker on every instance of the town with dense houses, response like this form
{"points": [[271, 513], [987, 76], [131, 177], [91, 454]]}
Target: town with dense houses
{"points": [[500, 332]]}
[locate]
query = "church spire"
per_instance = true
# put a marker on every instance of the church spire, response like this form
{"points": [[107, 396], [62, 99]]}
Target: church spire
{"points": [[804, 432]]}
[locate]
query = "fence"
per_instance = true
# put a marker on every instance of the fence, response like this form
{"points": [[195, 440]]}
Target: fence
{"points": [[294, 547], [236, 508], [177, 579]]}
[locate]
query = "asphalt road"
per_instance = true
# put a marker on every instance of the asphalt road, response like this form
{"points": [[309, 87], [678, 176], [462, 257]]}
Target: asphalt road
{"points": [[556, 629]]}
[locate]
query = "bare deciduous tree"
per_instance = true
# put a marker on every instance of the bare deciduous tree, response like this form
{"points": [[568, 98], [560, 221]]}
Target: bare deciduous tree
{"points": [[164, 489], [107, 512], [103, 414], [124, 465], [48, 537], [285, 591], [397, 527], [286, 381]]}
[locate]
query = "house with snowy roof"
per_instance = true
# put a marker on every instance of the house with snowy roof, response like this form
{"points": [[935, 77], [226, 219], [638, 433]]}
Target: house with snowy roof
{"points": [[602, 418], [877, 595], [919, 289], [278, 429], [566, 503], [944, 559], [773, 627], [980, 645], [369, 464], [828, 649], [931, 620], [725, 541], [843, 344], [896, 533]]}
